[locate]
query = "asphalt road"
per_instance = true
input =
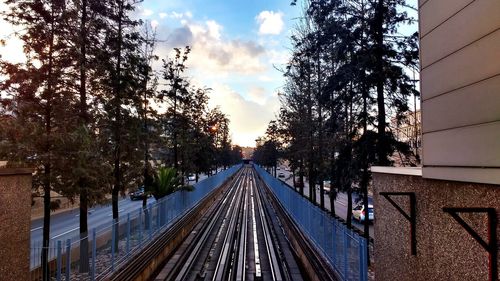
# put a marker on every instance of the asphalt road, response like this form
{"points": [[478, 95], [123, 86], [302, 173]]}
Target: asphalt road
{"points": [[65, 225]]}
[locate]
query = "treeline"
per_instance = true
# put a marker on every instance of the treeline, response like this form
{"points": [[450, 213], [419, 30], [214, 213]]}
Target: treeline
{"points": [[90, 114], [348, 75]]}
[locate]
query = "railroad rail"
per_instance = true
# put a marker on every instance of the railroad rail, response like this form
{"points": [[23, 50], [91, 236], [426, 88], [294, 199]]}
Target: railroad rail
{"points": [[238, 233], [234, 241]]}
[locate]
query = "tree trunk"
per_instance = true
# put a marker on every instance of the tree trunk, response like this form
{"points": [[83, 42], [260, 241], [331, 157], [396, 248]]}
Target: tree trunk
{"points": [[333, 196], [46, 225], [84, 241], [382, 144], [118, 122], [333, 192], [349, 208], [365, 176], [176, 160], [84, 259], [364, 186], [321, 194], [312, 184], [301, 178], [47, 164], [320, 129]]}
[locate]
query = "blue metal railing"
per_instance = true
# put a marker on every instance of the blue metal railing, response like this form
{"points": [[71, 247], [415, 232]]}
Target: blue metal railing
{"points": [[344, 249], [135, 230]]}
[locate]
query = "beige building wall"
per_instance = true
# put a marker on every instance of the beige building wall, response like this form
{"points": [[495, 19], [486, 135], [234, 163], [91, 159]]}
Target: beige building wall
{"points": [[460, 84]]}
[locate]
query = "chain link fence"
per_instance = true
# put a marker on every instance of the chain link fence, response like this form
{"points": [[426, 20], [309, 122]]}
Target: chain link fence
{"points": [[344, 249], [91, 256]]}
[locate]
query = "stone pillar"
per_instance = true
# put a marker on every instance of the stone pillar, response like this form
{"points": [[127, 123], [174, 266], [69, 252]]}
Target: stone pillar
{"points": [[15, 219]]}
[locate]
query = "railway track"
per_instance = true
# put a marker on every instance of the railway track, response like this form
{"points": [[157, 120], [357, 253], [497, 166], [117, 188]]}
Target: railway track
{"points": [[235, 240]]}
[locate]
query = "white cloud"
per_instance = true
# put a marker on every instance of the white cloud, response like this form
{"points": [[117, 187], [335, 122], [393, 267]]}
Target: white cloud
{"points": [[249, 118], [279, 57], [224, 65], [147, 12], [270, 22], [214, 29], [176, 15], [211, 54], [265, 78], [258, 95], [13, 49]]}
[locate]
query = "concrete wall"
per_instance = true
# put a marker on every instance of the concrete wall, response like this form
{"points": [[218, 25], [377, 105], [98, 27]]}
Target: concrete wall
{"points": [[445, 251], [460, 84], [15, 205]]}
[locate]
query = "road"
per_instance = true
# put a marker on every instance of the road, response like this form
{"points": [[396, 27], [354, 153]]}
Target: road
{"points": [[340, 202], [65, 225]]}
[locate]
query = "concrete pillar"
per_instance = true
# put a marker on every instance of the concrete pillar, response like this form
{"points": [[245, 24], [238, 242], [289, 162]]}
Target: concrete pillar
{"points": [[444, 249], [15, 219]]}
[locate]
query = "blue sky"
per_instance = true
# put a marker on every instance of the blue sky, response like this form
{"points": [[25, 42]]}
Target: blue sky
{"points": [[235, 48]]}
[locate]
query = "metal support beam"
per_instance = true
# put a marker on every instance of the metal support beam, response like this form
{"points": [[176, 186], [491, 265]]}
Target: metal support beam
{"points": [[412, 217], [491, 245]]}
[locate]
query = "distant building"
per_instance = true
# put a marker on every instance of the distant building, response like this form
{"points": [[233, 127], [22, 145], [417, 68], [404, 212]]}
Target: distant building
{"points": [[247, 152], [408, 130]]}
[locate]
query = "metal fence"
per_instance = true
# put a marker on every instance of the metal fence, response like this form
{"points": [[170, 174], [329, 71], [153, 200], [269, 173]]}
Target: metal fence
{"points": [[343, 248], [104, 249]]}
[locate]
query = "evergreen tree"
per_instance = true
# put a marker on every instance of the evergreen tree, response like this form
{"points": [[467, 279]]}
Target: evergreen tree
{"points": [[177, 93], [38, 98]]}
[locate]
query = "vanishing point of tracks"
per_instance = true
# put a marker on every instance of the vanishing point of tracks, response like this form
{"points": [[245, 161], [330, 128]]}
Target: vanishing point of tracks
{"points": [[235, 240]]}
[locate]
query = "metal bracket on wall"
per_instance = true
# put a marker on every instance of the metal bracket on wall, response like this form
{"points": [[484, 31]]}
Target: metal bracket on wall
{"points": [[412, 217], [491, 246]]}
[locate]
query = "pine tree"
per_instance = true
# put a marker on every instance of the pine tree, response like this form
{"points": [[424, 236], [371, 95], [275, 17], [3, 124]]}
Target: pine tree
{"points": [[176, 94], [121, 98], [38, 97]]}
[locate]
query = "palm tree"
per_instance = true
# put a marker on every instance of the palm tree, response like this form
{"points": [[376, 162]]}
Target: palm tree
{"points": [[166, 181]]}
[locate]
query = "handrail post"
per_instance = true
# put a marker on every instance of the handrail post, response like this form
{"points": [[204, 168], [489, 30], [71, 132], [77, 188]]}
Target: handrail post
{"points": [[59, 260], [140, 225], [344, 252], [68, 258], [128, 233], [150, 221], [93, 254], [113, 247]]}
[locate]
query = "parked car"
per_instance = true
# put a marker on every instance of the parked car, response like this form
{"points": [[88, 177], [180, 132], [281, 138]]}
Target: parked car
{"points": [[191, 178], [359, 213], [281, 175], [327, 190], [137, 195]]}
